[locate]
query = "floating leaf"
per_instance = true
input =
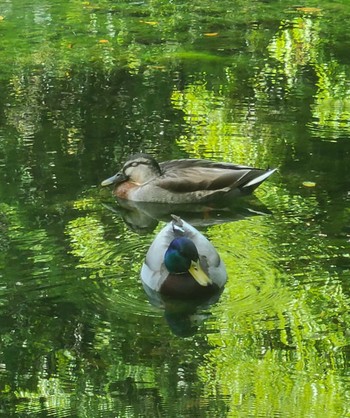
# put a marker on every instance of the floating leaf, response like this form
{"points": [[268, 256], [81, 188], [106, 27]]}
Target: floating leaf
{"points": [[211, 34], [157, 67], [149, 22], [309, 184], [309, 9]]}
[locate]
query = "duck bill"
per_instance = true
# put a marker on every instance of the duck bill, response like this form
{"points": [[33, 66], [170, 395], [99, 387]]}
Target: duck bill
{"points": [[198, 274], [116, 179]]}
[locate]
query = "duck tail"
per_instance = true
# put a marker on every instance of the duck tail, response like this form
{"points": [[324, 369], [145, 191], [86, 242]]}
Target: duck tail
{"points": [[177, 224], [254, 183]]}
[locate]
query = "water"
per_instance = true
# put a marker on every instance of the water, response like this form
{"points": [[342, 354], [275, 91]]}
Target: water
{"points": [[82, 86]]}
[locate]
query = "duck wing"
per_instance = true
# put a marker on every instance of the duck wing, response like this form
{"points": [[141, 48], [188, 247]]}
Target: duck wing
{"points": [[153, 271], [190, 175]]}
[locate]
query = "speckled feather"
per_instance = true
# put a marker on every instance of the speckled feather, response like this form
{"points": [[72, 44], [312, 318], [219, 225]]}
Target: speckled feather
{"points": [[183, 181]]}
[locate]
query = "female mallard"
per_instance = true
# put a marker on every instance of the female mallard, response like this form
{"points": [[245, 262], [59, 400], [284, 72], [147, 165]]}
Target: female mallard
{"points": [[143, 179], [182, 263]]}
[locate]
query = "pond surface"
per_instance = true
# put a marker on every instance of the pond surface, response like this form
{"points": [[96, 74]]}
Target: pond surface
{"points": [[83, 84]]}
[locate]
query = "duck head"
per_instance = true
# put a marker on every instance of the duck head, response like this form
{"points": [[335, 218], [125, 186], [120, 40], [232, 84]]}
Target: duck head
{"points": [[182, 257], [139, 169]]}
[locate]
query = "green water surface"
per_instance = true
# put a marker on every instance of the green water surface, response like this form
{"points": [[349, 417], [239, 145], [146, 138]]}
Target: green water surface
{"points": [[83, 84]]}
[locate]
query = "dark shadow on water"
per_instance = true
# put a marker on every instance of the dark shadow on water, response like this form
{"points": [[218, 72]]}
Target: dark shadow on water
{"points": [[143, 218], [183, 316]]}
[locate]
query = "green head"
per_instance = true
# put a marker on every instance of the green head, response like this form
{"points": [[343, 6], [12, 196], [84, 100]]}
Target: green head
{"points": [[182, 257]]}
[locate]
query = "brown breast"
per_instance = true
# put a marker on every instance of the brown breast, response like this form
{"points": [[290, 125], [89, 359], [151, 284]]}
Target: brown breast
{"points": [[123, 190], [184, 286]]}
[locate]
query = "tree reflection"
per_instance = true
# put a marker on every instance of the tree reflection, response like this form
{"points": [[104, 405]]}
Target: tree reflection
{"points": [[83, 85]]}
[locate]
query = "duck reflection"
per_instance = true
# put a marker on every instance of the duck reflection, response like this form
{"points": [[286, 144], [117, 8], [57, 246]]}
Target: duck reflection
{"points": [[182, 273], [183, 316], [143, 217]]}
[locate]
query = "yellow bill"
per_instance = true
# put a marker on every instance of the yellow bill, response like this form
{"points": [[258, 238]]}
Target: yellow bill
{"points": [[198, 274]]}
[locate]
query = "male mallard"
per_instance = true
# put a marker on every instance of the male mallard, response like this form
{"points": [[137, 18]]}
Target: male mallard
{"points": [[143, 179], [182, 263]]}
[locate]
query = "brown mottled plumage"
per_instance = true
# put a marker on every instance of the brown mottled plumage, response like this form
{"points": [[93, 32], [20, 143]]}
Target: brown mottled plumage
{"points": [[143, 179]]}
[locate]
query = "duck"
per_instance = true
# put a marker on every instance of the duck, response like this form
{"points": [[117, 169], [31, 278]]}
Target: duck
{"points": [[144, 179], [182, 263]]}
